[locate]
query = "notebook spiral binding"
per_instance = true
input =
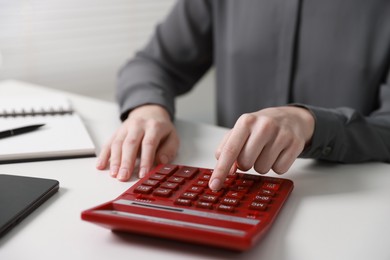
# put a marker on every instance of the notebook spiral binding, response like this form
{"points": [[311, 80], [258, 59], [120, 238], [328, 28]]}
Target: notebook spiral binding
{"points": [[36, 112]]}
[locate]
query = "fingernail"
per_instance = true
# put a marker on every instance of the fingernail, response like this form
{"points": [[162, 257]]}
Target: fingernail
{"points": [[113, 171], [98, 163], [122, 174], [215, 183], [142, 172]]}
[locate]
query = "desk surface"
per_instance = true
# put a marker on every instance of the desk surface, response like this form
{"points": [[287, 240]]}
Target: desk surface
{"points": [[335, 211]]}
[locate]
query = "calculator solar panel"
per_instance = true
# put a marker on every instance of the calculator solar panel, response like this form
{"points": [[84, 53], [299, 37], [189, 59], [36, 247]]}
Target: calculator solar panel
{"points": [[174, 201]]}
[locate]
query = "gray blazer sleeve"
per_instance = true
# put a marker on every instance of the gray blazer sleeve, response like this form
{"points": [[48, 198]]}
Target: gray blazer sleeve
{"points": [[344, 135], [177, 55], [188, 42]]}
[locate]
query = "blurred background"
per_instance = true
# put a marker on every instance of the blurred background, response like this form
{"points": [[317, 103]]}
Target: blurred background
{"points": [[79, 45]]}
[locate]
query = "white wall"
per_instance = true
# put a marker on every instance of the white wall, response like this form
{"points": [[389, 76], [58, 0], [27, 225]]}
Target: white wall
{"points": [[78, 45]]}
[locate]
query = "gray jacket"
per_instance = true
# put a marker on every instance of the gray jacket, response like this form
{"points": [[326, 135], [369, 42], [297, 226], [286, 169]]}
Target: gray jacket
{"points": [[332, 57]]}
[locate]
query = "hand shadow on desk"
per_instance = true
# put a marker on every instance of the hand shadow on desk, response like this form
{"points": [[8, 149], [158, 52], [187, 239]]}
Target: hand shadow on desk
{"points": [[14, 231]]}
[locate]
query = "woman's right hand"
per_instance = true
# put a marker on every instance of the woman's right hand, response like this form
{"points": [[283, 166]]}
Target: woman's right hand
{"points": [[147, 133]]}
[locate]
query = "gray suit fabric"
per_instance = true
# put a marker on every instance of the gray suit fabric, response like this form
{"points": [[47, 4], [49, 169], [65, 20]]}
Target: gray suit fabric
{"points": [[332, 57]]}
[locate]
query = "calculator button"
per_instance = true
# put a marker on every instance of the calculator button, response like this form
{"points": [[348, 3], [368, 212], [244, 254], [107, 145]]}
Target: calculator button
{"points": [[157, 177], [174, 179], [229, 181], [262, 198], [201, 183], [217, 193], [242, 189], [143, 189], [186, 172], [208, 171], [245, 183], [205, 177], [271, 186], [161, 192], [209, 198], [153, 183], [167, 169], [196, 189], [203, 204], [170, 185], [189, 195], [227, 208], [235, 194], [230, 201], [266, 192], [258, 206], [183, 202]]}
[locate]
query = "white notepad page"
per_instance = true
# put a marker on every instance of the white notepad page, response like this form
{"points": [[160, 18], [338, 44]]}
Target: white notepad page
{"points": [[62, 136]]}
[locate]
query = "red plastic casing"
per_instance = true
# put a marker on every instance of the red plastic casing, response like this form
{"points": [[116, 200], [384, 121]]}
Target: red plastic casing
{"points": [[153, 215]]}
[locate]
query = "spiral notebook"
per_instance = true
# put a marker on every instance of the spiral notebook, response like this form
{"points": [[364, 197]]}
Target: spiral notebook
{"points": [[63, 135]]}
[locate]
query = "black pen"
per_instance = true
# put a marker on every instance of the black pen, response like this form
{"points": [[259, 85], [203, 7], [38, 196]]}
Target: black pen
{"points": [[19, 130]]}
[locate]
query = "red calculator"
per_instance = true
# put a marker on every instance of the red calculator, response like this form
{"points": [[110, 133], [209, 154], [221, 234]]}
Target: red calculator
{"points": [[174, 201]]}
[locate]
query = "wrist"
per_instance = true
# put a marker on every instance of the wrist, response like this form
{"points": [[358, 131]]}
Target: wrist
{"points": [[307, 120], [150, 110]]}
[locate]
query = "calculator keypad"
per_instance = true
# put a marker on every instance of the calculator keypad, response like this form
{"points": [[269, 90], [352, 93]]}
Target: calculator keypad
{"points": [[174, 201], [187, 186]]}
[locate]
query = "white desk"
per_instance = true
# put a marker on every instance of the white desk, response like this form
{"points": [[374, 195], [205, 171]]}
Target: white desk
{"points": [[335, 211]]}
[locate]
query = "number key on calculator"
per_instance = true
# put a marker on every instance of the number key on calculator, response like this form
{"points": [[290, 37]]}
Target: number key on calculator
{"points": [[174, 201]]}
